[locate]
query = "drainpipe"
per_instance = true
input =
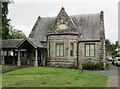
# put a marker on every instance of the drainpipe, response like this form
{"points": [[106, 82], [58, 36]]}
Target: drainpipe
{"points": [[77, 55]]}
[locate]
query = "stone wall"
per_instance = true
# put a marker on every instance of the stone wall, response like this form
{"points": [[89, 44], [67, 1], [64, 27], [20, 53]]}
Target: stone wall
{"points": [[66, 60]]}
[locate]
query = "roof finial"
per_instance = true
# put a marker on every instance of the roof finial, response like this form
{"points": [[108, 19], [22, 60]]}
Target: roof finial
{"points": [[63, 8], [101, 12], [39, 17]]}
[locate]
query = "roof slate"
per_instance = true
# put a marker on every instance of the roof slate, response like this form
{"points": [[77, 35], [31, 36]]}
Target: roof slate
{"points": [[88, 25], [36, 42], [10, 43]]}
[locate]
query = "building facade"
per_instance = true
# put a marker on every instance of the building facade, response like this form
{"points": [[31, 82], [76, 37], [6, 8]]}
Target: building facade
{"points": [[60, 41]]}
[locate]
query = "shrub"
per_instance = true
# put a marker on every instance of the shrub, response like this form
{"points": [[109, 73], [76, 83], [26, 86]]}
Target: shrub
{"points": [[92, 66], [88, 65], [99, 66]]}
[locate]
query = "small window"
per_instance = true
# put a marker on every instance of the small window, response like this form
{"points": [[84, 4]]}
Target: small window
{"points": [[71, 49], [59, 49], [90, 50]]}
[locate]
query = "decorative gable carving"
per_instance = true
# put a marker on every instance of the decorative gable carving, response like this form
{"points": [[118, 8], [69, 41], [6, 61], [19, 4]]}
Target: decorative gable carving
{"points": [[63, 24]]}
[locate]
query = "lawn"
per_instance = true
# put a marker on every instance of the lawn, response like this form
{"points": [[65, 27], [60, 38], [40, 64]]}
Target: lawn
{"points": [[52, 77]]}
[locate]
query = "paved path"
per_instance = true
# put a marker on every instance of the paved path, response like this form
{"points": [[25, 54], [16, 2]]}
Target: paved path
{"points": [[112, 73], [12, 69]]}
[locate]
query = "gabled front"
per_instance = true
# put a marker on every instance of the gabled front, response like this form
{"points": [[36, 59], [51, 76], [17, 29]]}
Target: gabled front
{"points": [[63, 24]]}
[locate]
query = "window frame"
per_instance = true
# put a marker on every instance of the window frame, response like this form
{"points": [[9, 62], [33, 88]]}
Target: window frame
{"points": [[89, 47], [59, 49]]}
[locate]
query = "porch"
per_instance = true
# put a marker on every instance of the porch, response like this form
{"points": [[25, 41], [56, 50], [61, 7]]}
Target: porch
{"points": [[27, 52]]}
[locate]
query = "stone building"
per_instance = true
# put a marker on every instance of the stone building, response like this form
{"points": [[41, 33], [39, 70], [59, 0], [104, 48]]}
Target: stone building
{"points": [[59, 41]]}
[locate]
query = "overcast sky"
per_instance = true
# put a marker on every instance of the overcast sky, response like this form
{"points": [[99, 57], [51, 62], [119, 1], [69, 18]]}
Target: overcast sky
{"points": [[24, 13]]}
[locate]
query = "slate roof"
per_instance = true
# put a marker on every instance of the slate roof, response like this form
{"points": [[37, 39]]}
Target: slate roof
{"points": [[36, 42], [13, 43], [10, 43], [41, 28], [88, 25]]}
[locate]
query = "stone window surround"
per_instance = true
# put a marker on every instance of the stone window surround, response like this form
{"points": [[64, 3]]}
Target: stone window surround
{"points": [[89, 49]]}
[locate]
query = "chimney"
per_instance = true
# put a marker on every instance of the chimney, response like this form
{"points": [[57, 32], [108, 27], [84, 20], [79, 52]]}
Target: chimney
{"points": [[102, 15]]}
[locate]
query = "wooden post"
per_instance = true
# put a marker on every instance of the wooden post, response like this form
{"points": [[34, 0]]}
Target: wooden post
{"points": [[28, 61], [19, 60], [36, 56], [13, 62], [3, 59]]}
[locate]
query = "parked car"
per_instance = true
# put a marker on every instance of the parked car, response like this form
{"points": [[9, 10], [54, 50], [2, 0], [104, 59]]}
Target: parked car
{"points": [[116, 60]]}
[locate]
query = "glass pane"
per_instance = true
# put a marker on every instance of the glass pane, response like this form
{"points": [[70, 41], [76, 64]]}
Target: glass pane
{"points": [[92, 47], [71, 46], [87, 47], [92, 50], [87, 53], [87, 50], [92, 53], [61, 50], [57, 50]]}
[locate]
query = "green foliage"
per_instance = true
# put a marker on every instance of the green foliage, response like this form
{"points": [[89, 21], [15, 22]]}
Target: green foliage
{"points": [[99, 66], [7, 32], [5, 21], [89, 65], [111, 48], [52, 77], [16, 34], [107, 47]]}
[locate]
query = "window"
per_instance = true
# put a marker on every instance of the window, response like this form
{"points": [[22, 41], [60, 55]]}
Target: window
{"points": [[71, 49], [90, 50], [59, 49]]}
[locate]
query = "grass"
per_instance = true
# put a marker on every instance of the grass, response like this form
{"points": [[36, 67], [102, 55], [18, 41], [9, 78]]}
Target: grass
{"points": [[52, 77], [5, 67]]}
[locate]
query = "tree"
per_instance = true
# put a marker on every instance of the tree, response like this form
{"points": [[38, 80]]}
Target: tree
{"points": [[108, 47], [16, 34], [114, 47], [111, 48], [5, 21], [7, 32]]}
